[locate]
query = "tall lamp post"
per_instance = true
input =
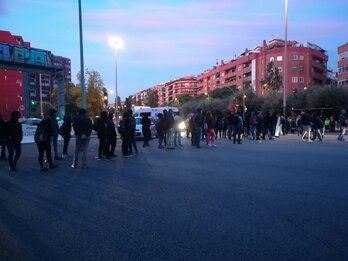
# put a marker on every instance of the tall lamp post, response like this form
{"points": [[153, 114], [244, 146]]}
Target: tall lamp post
{"points": [[83, 89], [116, 44], [285, 60]]}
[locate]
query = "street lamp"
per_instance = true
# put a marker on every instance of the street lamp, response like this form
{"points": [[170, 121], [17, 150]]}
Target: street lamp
{"points": [[116, 44], [83, 89], [285, 59]]}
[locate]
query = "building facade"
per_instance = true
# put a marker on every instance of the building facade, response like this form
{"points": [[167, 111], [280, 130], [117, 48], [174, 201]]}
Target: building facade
{"points": [[167, 92], [342, 76], [306, 65], [28, 75]]}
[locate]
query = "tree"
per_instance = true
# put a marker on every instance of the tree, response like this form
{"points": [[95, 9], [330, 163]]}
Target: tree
{"points": [[151, 98], [94, 95], [273, 82], [128, 102], [273, 102], [223, 92], [72, 98]]}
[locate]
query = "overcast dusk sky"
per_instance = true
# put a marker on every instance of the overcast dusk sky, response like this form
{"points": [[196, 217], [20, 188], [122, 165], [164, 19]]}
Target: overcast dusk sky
{"points": [[169, 39]]}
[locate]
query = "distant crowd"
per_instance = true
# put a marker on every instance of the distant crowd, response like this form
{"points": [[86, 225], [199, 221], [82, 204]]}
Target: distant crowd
{"points": [[199, 126]]}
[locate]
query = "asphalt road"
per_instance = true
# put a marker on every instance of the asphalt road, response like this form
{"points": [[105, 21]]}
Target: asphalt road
{"points": [[275, 200]]}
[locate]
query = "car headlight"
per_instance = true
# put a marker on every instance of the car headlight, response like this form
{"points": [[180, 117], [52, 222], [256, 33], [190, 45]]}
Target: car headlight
{"points": [[182, 126]]}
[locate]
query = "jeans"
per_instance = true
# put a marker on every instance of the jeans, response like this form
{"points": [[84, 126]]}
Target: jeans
{"points": [[170, 137], [230, 131], [12, 149], [236, 134], [42, 147], [199, 132], [160, 137], [177, 138], [252, 131], [342, 132], [81, 144], [66, 145], [55, 145]]}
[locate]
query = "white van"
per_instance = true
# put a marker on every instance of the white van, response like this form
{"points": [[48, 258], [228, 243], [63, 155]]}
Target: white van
{"points": [[153, 112]]}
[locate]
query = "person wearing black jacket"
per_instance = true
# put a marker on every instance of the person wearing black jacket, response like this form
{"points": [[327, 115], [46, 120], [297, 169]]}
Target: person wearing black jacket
{"points": [[53, 113], [132, 138], [146, 123], [82, 125], [100, 127], [317, 127], [111, 138], [126, 132], [2, 139], [43, 137], [65, 131], [13, 137]]}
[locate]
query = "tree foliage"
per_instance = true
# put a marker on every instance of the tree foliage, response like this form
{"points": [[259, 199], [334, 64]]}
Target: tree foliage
{"points": [[151, 98], [273, 81], [94, 94]]}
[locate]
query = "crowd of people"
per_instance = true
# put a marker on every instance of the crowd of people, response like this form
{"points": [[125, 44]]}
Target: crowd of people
{"points": [[200, 127]]}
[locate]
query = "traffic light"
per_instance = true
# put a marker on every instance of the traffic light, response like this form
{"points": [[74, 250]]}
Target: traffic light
{"points": [[33, 103], [105, 98]]}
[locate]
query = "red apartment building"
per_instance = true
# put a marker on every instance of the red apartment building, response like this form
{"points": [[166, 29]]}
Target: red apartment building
{"points": [[168, 91], [20, 89], [343, 65], [307, 66]]}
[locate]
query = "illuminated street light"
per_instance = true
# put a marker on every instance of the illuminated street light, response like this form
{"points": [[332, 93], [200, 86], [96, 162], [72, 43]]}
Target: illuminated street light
{"points": [[116, 44]]}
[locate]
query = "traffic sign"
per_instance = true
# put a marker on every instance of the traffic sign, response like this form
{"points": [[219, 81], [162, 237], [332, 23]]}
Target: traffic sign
{"points": [[21, 107]]}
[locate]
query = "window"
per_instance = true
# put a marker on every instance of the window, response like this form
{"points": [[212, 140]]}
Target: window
{"points": [[239, 68], [280, 69], [271, 59], [279, 58], [294, 68], [294, 57], [301, 80], [262, 61], [300, 68], [294, 79], [301, 57]]}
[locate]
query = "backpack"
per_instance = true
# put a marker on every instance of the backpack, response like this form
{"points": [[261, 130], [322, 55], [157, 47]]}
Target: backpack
{"points": [[40, 134]]}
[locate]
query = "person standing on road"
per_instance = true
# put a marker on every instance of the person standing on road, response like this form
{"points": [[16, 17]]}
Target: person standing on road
{"points": [[209, 120], [160, 130], [2, 139], [342, 121], [111, 138], [199, 123], [177, 130], [132, 137], [146, 123], [65, 132], [42, 139], [237, 127], [317, 127], [192, 127], [170, 131], [126, 133], [13, 137], [55, 130], [100, 126], [306, 125], [82, 126]]}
